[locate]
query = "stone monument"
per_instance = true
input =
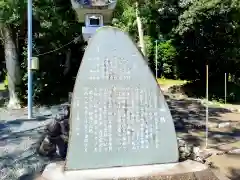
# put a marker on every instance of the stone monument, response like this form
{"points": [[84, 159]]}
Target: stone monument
{"points": [[118, 112], [120, 124]]}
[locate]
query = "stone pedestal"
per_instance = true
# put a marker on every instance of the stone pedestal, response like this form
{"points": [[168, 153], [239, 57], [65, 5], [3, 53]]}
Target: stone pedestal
{"points": [[188, 170]]}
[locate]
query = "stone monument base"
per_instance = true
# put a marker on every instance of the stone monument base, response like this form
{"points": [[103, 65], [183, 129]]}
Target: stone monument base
{"points": [[187, 170]]}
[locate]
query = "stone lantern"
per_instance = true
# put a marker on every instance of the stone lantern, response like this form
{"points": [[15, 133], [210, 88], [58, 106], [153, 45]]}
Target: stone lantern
{"points": [[94, 14]]}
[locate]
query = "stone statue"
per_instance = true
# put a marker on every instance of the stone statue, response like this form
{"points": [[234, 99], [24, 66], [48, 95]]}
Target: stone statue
{"points": [[55, 139]]}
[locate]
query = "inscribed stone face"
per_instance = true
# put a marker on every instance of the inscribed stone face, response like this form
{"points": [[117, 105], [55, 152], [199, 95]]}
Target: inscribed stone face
{"points": [[119, 116]]}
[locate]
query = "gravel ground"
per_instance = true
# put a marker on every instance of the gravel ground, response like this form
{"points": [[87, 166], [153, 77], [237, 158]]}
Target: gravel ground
{"points": [[18, 139], [18, 135]]}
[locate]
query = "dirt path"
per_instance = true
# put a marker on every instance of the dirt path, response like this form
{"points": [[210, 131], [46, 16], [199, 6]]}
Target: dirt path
{"points": [[224, 129], [227, 164]]}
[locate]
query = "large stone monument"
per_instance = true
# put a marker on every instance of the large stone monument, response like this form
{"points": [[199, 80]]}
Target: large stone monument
{"points": [[118, 112], [120, 124]]}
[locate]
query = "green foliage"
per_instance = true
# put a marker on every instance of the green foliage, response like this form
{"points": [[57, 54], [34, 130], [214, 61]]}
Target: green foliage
{"points": [[167, 53], [208, 33], [195, 33], [191, 34], [12, 12], [54, 25], [125, 17], [149, 45]]}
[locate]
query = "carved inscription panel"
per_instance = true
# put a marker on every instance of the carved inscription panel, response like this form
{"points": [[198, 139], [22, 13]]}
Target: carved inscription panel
{"points": [[135, 121]]}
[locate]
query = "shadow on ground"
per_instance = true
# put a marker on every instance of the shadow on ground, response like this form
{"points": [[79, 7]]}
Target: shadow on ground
{"points": [[18, 154], [3, 97], [227, 164], [235, 174], [19, 138], [18, 151], [23, 168], [13, 127], [190, 122]]}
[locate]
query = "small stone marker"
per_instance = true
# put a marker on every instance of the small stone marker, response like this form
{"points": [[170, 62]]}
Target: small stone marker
{"points": [[119, 116]]}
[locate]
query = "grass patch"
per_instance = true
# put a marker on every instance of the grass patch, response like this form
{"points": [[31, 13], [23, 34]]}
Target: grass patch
{"points": [[170, 82], [236, 144], [197, 89], [2, 87], [215, 103], [200, 133]]}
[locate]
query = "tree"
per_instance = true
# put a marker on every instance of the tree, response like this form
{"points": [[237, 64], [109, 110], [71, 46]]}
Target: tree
{"points": [[208, 33], [190, 33], [10, 16], [54, 26]]}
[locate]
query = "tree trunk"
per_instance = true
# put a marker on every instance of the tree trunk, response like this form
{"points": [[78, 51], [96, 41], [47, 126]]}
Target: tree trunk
{"points": [[140, 31], [12, 65]]}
